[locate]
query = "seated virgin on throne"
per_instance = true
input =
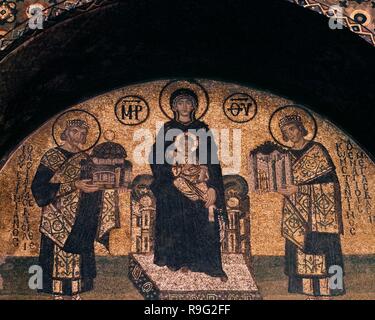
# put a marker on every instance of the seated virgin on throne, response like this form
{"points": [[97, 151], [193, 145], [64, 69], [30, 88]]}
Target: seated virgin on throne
{"points": [[189, 198]]}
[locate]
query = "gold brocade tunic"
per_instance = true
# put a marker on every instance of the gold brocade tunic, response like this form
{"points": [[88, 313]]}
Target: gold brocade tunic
{"points": [[312, 220]]}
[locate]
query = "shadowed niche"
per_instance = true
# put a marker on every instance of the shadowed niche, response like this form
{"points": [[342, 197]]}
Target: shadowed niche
{"points": [[272, 45]]}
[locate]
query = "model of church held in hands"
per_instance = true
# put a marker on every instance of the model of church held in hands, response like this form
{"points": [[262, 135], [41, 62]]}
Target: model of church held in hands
{"points": [[311, 215], [80, 205]]}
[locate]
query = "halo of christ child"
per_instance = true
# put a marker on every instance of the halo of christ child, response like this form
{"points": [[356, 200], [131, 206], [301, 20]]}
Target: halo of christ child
{"points": [[190, 205]]}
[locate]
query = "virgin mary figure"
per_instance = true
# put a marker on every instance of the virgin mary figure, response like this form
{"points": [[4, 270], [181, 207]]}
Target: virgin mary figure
{"points": [[190, 206]]}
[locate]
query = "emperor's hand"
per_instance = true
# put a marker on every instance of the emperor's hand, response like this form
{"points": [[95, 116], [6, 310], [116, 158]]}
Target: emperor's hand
{"points": [[86, 186], [288, 191]]}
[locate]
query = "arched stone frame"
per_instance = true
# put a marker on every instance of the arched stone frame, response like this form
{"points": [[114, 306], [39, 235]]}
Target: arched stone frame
{"points": [[55, 13], [351, 9], [17, 22], [44, 71], [51, 30]]}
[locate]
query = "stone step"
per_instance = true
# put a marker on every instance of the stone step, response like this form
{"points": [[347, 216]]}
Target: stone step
{"points": [[155, 282]]}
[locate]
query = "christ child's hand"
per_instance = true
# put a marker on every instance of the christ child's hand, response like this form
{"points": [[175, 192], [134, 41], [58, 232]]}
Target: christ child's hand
{"points": [[211, 197]]}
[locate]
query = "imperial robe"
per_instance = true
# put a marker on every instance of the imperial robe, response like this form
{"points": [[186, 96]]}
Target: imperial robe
{"points": [[71, 222], [184, 236], [312, 223]]}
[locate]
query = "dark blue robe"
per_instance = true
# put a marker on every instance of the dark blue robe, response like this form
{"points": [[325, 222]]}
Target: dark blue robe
{"points": [[83, 234], [184, 237]]}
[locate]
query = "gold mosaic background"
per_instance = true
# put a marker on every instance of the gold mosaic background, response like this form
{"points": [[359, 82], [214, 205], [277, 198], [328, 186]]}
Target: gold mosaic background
{"points": [[266, 239]]}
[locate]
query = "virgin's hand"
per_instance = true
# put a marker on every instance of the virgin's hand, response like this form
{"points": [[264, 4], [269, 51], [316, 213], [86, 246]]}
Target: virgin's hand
{"points": [[86, 186], [211, 197]]}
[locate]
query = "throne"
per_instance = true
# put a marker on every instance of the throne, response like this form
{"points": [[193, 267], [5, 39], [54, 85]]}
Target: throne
{"points": [[155, 282]]}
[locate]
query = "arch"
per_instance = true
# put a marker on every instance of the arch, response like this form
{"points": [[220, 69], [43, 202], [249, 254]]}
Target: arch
{"points": [[45, 75], [357, 16], [21, 30]]}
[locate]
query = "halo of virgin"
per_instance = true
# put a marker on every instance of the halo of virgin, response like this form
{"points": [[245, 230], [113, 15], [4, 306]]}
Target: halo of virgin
{"points": [[172, 86]]}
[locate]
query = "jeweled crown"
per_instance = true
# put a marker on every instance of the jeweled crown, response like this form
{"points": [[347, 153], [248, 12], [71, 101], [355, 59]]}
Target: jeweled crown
{"points": [[77, 123], [291, 118]]}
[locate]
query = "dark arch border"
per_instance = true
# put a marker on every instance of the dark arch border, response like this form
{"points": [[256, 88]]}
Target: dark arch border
{"points": [[312, 66], [56, 14], [324, 8]]}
